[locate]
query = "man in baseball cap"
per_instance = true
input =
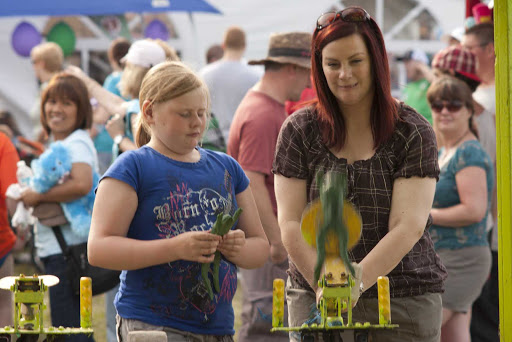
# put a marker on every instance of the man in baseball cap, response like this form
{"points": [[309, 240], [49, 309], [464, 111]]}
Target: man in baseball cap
{"points": [[415, 92]]}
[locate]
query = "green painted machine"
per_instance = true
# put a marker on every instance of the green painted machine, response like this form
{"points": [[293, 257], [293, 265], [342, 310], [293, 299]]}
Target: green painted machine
{"points": [[333, 226], [29, 305]]}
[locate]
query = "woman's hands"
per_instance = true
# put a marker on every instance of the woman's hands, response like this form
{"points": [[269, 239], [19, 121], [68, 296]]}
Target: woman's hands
{"points": [[232, 243], [198, 246], [30, 198]]}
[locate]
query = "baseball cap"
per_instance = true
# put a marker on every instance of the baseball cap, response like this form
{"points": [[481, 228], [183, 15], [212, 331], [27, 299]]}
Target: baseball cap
{"points": [[457, 33], [144, 53], [458, 59], [415, 55]]}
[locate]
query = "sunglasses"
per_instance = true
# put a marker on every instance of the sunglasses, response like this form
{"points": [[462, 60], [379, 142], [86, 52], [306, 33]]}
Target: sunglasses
{"points": [[452, 106], [353, 14]]}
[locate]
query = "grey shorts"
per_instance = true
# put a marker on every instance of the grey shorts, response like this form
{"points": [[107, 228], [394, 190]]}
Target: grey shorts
{"points": [[126, 325], [468, 269], [419, 317]]}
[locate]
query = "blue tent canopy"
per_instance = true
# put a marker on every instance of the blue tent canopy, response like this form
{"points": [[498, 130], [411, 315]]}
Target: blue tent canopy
{"points": [[100, 7]]}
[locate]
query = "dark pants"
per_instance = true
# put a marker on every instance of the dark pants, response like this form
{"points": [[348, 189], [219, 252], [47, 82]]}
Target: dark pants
{"points": [[485, 318], [64, 304]]}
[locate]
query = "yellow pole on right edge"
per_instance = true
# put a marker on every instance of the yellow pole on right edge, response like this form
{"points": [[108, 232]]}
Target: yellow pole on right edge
{"points": [[503, 49], [85, 303]]}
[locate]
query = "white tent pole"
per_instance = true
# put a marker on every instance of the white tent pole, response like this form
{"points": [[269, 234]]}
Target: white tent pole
{"points": [[85, 60], [195, 40], [379, 13], [404, 21]]}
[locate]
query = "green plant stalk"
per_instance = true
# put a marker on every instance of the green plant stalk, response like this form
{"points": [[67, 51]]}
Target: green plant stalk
{"points": [[221, 227]]}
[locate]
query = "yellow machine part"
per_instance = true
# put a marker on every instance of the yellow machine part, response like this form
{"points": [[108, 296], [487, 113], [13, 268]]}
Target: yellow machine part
{"points": [[312, 219], [278, 303]]}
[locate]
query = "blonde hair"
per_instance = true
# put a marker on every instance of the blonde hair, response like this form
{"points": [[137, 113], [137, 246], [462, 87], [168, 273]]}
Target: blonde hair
{"points": [[170, 53], [50, 54], [131, 80], [164, 82]]}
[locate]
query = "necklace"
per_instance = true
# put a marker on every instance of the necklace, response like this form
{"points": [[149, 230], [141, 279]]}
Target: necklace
{"points": [[455, 144], [449, 152]]}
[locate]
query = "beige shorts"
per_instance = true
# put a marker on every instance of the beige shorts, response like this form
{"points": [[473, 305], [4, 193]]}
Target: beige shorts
{"points": [[419, 317], [126, 325], [468, 269]]}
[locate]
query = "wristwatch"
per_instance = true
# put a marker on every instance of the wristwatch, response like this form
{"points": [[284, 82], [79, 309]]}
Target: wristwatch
{"points": [[118, 138]]}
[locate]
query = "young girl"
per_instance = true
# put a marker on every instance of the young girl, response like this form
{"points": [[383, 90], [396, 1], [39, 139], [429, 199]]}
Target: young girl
{"points": [[153, 211]]}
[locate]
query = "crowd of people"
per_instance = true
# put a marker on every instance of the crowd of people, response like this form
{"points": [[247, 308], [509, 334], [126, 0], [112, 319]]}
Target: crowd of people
{"points": [[177, 147]]}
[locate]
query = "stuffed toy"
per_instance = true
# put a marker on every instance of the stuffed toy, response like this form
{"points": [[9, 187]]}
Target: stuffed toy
{"points": [[51, 168]]}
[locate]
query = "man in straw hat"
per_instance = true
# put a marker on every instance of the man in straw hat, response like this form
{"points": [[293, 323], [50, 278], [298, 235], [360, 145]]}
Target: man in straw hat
{"points": [[252, 141]]}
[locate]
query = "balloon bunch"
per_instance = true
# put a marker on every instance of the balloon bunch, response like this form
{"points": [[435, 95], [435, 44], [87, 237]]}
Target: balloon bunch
{"points": [[156, 29], [25, 36]]}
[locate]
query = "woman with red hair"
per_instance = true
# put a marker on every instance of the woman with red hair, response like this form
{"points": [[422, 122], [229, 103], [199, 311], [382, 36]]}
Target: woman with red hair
{"points": [[388, 152]]}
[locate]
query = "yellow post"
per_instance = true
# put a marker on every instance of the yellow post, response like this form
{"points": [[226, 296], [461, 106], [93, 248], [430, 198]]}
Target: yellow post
{"points": [[384, 300], [278, 303], [503, 48], [85, 303]]}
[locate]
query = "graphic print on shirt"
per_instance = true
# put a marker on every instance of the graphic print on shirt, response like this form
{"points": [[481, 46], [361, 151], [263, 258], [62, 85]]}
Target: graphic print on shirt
{"points": [[188, 209]]}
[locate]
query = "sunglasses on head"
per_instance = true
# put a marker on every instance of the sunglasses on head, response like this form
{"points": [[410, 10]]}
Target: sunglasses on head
{"points": [[351, 14], [452, 106]]}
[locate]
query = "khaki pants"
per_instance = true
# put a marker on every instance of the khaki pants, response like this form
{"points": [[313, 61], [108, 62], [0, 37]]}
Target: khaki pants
{"points": [[125, 325], [419, 317]]}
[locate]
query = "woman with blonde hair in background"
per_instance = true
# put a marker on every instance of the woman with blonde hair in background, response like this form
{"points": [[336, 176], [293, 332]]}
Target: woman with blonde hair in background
{"points": [[121, 115]]}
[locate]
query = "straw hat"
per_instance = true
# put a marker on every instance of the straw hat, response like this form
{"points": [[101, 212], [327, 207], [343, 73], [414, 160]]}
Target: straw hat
{"points": [[292, 48]]}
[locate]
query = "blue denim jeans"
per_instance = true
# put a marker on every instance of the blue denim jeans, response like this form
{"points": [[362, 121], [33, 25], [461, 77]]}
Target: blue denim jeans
{"points": [[64, 304]]}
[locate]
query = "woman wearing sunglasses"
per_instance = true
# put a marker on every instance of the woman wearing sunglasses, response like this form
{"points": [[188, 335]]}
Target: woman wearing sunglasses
{"points": [[461, 203], [389, 154]]}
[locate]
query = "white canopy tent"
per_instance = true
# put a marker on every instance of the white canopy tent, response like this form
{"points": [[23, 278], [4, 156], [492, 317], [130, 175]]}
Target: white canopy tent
{"points": [[258, 18]]}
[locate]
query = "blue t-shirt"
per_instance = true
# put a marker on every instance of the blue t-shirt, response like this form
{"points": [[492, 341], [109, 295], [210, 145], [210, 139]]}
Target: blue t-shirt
{"points": [[469, 153], [175, 197], [111, 82]]}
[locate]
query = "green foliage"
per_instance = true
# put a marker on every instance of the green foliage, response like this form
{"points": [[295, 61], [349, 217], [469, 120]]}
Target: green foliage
{"points": [[222, 226]]}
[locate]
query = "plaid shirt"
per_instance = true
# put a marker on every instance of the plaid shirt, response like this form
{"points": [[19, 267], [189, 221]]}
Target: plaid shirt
{"points": [[410, 152]]}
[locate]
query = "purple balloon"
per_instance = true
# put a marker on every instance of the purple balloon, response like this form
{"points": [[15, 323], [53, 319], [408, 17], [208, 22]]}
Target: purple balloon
{"points": [[156, 30], [24, 37]]}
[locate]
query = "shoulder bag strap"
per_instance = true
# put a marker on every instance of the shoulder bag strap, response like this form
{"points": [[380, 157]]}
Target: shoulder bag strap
{"points": [[60, 238]]}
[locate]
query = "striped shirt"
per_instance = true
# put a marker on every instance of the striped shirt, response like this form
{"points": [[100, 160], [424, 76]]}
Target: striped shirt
{"points": [[410, 152]]}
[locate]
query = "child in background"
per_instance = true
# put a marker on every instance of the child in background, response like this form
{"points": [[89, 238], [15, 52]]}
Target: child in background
{"points": [[155, 207]]}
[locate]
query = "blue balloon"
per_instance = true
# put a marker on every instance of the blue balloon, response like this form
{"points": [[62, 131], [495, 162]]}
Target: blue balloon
{"points": [[156, 29], [24, 37]]}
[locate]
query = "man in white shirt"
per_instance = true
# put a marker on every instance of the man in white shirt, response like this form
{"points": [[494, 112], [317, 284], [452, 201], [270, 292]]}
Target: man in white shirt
{"points": [[229, 78]]}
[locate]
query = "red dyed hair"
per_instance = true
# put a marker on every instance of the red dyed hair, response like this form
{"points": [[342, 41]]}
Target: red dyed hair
{"points": [[384, 110]]}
